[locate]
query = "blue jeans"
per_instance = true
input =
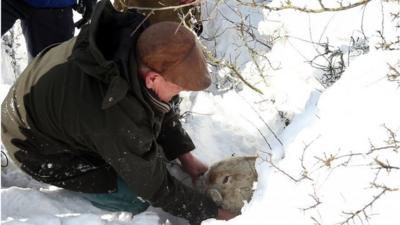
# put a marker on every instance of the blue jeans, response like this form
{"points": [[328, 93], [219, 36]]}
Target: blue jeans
{"points": [[122, 200]]}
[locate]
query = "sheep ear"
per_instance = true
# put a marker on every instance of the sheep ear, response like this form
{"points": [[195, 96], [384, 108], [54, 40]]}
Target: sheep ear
{"points": [[215, 195]]}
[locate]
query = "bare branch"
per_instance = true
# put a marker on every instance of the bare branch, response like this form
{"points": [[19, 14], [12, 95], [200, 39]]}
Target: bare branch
{"points": [[322, 8], [387, 45], [305, 171], [361, 213], [385, 165], [316, 199], [231, 67], [316, 222], [270, 161], [394, 74], [265, 123]]}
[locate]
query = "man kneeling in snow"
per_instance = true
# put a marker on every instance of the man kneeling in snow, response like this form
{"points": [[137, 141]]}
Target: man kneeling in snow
{"points": [[94, 115]]}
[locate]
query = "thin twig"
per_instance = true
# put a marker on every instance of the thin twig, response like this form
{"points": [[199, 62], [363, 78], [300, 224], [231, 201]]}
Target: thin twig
{"points": [[304, 9], [231, 67], [265, 123], [353, 215], [269, 160]]}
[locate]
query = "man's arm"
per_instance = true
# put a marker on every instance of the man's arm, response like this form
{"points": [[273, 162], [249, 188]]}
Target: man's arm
{"points": [[173, 138], [193, 166], [145, 172], [177, 143]]}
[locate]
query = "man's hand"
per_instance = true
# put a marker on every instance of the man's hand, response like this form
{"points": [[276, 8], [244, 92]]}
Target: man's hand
{"points": [[225, 215], [193, 166]]}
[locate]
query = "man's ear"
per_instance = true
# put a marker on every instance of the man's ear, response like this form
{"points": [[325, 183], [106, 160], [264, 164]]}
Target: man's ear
{"points": [[150, 79]]}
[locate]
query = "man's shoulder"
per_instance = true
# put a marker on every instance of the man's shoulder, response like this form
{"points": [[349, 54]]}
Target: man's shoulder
{"points": [[52, 56]]}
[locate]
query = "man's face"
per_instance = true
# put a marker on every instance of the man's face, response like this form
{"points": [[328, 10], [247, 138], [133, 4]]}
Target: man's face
{"points": [[165, 89]]}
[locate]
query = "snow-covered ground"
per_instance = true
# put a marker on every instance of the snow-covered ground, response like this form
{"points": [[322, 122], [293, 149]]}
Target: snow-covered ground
{"points": [[326, 155]]}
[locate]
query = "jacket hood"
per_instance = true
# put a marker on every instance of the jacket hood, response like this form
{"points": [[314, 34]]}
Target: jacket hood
{"points": [[105, 49]]}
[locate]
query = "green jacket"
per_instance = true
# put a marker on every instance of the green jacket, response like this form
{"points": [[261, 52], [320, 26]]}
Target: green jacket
{"points": [[78, 117]]}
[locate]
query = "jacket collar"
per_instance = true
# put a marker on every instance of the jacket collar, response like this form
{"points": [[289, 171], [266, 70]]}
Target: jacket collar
{"points": [[156, 102], [105, 50]]}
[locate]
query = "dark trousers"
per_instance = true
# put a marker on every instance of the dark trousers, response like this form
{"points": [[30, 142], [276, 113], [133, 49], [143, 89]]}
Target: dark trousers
{"points": [[41, 26]]}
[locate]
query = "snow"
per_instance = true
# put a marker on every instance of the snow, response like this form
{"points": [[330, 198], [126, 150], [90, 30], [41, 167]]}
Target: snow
{"points": [[349, 116], [321, 147]]}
